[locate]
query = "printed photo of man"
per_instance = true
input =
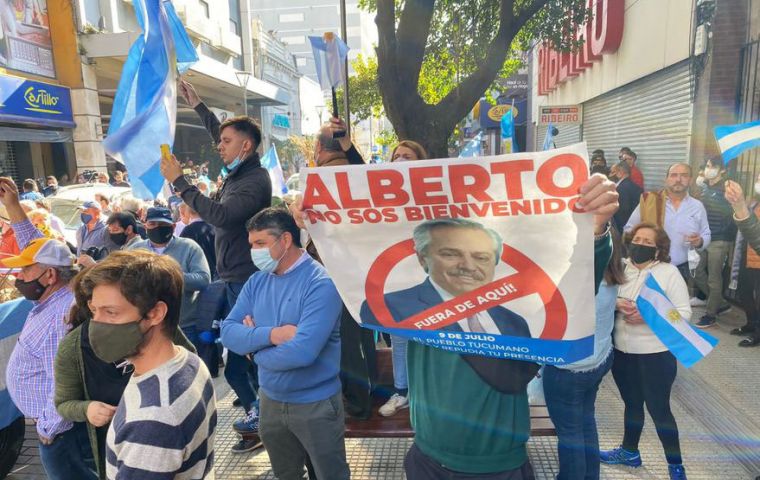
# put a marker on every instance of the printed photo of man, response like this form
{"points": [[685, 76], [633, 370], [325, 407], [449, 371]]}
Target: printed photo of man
{"points": [[459, 256]]}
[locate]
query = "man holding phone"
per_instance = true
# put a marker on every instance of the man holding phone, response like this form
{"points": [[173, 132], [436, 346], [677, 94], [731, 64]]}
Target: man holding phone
{"points": [[246, 190]]}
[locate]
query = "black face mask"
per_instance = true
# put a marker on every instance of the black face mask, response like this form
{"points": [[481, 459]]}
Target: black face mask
{"points": [[118, 238], [31, 290], [161, 235], [641, 253]]}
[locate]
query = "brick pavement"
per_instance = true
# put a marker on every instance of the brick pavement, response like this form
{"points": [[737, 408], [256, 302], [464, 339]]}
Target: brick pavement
{"points": [[715, 404]]}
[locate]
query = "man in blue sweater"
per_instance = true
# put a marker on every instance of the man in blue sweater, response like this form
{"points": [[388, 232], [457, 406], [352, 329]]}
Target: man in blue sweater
{"points": [[287, 317]]}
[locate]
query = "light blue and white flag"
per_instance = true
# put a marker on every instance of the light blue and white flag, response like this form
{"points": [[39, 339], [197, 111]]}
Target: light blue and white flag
{"points": [[330, 59], [271, 162], [685, 342], [472, 148], [549, 138], [508, 132], [144, 111], [734, 140]]}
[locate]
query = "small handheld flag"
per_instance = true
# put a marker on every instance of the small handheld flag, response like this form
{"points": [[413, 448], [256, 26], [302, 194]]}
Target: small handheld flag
{"points": [[144, 114], [734, 140], [330, 54], [549, 138], [686, 343], [508, 132], [271, 162], [472, 149]]}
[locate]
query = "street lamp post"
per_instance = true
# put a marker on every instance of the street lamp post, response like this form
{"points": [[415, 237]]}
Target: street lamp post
{"points": [[242, 78]]}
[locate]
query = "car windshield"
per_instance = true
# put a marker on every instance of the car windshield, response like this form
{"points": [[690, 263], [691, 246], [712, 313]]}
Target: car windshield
{"points": [[67, 210]]}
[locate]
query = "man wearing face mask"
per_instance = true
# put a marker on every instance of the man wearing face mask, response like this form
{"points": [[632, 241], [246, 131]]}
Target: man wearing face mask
{"points": [[245, 191], [189, 256], [92, 232], [288, 318], [122, 230], [709, 274], [47, 267]]}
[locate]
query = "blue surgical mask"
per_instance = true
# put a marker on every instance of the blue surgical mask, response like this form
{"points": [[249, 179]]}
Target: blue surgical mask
{"points": [[233, 165], [263, 260], [86, 218]]}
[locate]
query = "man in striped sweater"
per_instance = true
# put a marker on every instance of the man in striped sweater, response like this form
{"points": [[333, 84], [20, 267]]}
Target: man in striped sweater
{"points": [[164, 425]]}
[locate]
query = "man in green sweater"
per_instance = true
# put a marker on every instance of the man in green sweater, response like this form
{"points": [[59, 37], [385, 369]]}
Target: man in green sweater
{"points": [[468, 428]]}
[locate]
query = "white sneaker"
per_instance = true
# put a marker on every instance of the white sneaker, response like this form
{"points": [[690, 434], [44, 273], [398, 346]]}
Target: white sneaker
{"points": [[696, 302], [393, 405]]}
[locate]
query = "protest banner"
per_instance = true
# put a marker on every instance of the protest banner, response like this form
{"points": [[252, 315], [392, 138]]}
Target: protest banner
{"points": [[486, 256]]}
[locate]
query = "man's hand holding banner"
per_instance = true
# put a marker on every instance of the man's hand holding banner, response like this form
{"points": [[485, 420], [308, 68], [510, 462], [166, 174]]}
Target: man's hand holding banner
{"points": [[489, 256]]}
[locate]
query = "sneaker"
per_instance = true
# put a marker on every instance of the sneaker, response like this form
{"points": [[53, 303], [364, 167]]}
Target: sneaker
{"points": [[697, 302], [620, 456], [244, 445], [751, 341], [706, 321], [393, 405], [677, 472], [745, 330], [248, 425]]}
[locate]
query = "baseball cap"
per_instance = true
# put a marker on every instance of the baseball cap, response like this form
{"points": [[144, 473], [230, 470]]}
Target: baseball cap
{"points": [[90, 204], [159, 214], [41, 250]]}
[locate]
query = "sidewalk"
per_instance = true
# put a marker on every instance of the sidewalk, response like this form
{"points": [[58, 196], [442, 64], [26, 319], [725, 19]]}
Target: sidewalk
{"points": [[715, 404]]}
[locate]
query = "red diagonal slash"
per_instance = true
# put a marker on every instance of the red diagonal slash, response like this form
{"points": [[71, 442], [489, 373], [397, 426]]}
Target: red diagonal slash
{"points": [[529, 279]]}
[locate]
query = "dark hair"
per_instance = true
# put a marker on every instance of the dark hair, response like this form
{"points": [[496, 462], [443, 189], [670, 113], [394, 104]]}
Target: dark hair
{"points": [[661, 240], [614, 273], [124, 219], [715, 162], [30, 185], [245, 125], [132, 271], [598, 151], [278, 221], [418, 149], [667, 172], [50, 177]]}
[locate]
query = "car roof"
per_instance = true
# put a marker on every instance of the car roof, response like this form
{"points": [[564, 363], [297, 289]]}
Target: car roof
{"points": [[87, 191]]}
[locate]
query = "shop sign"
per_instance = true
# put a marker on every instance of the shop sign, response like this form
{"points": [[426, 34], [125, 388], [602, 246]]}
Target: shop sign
{"points": [[222, 115], [25, 36], [560, 115], [280, 120], [601, 36], [490, 115], [27, 101]]}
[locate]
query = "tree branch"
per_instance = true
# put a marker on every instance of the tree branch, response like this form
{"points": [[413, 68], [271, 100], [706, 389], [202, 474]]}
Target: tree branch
{"points": [[462, 98], [527, 14], [412, 34]]}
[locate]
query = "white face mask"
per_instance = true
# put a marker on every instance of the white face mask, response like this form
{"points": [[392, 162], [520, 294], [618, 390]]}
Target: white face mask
{"points": [[757, 188], [700, 181], [711, 173]]}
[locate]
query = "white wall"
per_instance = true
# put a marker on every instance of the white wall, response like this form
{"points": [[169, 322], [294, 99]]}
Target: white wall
{"points": [[311, 98]]}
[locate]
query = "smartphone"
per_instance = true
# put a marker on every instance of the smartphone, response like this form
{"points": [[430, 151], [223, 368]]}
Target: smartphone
{"points": [[166, 152]]}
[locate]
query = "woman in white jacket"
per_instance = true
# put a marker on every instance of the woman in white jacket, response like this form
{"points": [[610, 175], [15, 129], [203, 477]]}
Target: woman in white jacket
{"points": [[643, 368]]}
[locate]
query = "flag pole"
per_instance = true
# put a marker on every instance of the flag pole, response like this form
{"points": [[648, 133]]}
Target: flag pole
{"points": [[346, 102]]}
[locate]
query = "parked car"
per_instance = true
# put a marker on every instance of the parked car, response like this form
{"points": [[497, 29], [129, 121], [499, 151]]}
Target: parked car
{"points": [[65, 204]]}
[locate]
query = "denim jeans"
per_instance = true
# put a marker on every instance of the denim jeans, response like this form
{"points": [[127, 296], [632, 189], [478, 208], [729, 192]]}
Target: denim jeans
{"points": [[240, 373], [570, 398], [398, 345], [69, 456]]}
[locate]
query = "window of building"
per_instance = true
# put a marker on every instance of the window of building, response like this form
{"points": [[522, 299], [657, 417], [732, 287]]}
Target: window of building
{"points": [[235, 21], [301, 62], [291, 17], [204, 7], [296, 40]]}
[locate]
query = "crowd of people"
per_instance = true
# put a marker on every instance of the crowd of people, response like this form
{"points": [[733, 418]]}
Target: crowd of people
{"points": [[115, 360]]}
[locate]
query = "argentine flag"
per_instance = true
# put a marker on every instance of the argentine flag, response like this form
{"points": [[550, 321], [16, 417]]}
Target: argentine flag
{"points": [[734, 140], [271, 162], [508, 132], [685, 342], [144, 114], [472, 149], [329, 59]]}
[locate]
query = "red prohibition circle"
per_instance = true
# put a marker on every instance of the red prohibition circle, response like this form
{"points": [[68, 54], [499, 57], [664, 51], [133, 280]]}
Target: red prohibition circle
{"points": [[528, 279]]}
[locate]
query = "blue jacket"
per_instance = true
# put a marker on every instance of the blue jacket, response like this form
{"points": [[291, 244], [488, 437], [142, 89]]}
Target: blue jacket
{"points": [[195, 272], [406, 303]]}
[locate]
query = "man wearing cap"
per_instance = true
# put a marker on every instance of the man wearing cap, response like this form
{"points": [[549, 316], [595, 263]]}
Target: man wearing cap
{"points": [[92, 233], [46, 267], [161, 240]]}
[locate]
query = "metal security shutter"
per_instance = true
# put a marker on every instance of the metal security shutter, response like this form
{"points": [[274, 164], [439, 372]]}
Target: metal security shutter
{"points": [[8, 167], [568, 135], [652, 116]]}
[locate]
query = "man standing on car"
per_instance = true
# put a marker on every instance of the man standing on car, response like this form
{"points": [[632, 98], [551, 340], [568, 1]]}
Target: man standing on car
{"points": [[246, 191]]}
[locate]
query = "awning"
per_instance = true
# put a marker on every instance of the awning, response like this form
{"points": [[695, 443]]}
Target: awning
{"points": [[11, 134]]}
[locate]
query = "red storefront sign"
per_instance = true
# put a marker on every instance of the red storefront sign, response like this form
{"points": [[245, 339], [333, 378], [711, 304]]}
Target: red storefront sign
{"points": [[602, 35]]}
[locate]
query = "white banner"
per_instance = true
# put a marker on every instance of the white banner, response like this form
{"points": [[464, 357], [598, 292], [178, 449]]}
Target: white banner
{"points": [[479, 255]]}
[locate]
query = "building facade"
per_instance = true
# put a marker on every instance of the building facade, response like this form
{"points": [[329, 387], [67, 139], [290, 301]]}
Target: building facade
{"points": [[658, 90]]}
